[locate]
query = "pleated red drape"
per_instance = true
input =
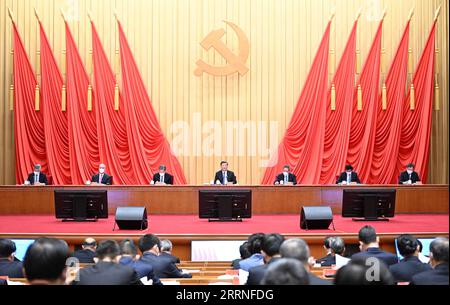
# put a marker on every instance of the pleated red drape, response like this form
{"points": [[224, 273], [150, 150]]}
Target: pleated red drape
{"points": [[148, 146], [301, 147], [363, 123], [56, 140], [111, 125], [389, 121], [416, 125], [29, 133], [83, 145], [337, 123]]}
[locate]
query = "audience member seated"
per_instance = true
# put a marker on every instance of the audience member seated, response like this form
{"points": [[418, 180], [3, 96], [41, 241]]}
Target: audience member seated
{"points": [[166, 251], [337, 247], [364, 271], [369, 246], [254, 247], [45, 262], [423, 258], [130, 257], [286, 271], [244, 252], [9, 266], [439, 261], [149, 245], [3, 282], [410, 264], [107, 270], [270, 249], [298, 249], [87, 253]]}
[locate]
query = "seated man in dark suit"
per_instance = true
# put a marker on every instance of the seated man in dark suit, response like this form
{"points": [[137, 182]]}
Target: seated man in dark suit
{"points": [[45, 262], [286, 177], [130, 257], [270, 249], [162, 177], [87, 253], [8, 265], [370, 247], [149, 245], [101, 178], [224, 176], [298, 249], [439, 261], [326, 246], [337, 246], [356, 273], [166, 251], [286, 271], [410, 264], [409, 176], [348, 177], [107, 270], [37, 177]]}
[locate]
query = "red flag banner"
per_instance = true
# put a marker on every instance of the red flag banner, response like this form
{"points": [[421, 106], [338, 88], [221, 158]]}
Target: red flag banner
{"points": [[337, 123], [301, 146], [148, 145], [56, 129], [363, 123], [83, 146], [111, 124], [389, 121], [416, 124], [28, 123]]}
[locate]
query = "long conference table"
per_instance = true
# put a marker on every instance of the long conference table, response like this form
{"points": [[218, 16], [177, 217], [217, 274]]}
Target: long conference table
{"points": [[34, 200]]}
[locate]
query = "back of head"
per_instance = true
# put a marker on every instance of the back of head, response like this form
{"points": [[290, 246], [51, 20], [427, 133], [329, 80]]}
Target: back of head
{"points": [[295, 248], [127, 247], [243, 250], [407, 244], [439, 250], [107, 249], [286, 271], [7, 248], [45, 259], [337, 245], [255, 242], [367, 235], [326, 242], [166, 245], [90, 243], [148, 241], [364, 271], [271, 244]]}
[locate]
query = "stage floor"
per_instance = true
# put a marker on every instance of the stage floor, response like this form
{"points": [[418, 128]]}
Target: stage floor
{"points": [[192, 225]]}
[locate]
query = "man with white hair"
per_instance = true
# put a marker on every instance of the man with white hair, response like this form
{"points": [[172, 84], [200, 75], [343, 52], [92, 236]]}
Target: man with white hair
{"points": [[166, 251], [102, 178], [37, 177]]}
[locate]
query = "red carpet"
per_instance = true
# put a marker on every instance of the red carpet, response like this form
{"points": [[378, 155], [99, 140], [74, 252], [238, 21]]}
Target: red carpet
{"points": [[190, 224]]}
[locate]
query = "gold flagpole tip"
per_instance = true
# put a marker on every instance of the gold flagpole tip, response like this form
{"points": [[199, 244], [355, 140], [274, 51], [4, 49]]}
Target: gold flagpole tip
{"points": [[438, 11], [333, 13], [359, 14], [10, 14], [411, 13], [63, 15], [384, 14], [116, 15], [36, 13], [90, 16]]}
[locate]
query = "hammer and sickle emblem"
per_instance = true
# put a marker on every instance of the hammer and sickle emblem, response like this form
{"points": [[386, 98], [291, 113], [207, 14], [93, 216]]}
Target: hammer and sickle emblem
{"points": [[236, 63]]}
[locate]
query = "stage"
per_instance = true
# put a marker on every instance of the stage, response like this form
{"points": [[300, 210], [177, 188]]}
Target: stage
{"points": [[182, 229]]}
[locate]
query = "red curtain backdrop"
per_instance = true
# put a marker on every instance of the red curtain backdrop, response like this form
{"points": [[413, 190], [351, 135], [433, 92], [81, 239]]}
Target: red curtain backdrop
{"points": [[416, 125], [148, 146], [55, 127], [28, 124], [389, 121], [337, 123], [363, 123], [111, 125], [301, 147], [83, 145]]}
